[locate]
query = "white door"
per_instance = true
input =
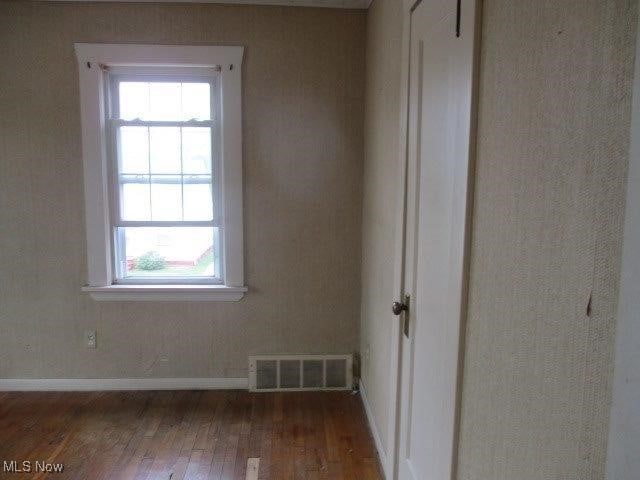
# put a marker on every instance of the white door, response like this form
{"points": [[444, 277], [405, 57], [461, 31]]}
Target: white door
{"points": [[438, 161]]}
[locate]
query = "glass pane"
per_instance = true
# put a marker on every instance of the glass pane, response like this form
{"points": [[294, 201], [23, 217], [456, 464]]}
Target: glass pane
{"points": [[164, 101], [197, 202], [134, 100], [196, 101], [196, 150], [135, 204], [134, 150], [167, 251], [166, 197], [165, 149]]}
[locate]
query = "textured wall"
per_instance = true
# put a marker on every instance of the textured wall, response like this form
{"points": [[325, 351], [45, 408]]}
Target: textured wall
{"points": [[382, 115], [553, 139], [303, 148]]}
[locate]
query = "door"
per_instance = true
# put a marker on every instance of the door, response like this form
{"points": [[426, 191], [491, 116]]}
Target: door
{"points": [[436, 237]]}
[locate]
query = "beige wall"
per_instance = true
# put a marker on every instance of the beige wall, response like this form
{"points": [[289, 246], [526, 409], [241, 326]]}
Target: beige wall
{"points": [[303, 148], [555, 96], [382, 115], [553, 140]]}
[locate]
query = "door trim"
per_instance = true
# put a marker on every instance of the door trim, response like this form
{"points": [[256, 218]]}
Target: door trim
{"points": [[393, 413], [473, 141]]}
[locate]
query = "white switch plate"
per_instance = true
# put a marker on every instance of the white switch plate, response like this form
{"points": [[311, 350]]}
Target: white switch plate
{"points": [[90, 337]]}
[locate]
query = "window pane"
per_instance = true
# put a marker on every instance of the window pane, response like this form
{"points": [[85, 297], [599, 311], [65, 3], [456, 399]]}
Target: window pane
{"points": [[135, 203], [167, 251], [134, 100], [166, 197], [164, 101], [165, 149], [134, 150], [197, 202], [196, 101], [196, 150]]}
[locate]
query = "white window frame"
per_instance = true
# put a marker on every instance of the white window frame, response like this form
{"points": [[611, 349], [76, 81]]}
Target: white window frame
{"points": [[92, 60]]}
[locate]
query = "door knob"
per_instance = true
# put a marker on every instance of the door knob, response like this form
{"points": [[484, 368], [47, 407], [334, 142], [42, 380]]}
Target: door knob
{"points": [[397, 308]]}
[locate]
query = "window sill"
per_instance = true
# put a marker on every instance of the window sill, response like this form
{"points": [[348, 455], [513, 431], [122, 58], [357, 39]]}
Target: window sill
{"points": [[166, 293]]}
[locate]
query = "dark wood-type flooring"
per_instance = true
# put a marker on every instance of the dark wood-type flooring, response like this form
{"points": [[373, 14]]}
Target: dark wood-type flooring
{"points": [[174, 435]]}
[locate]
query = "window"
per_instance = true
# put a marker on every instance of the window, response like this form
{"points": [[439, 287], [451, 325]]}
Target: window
{"points": [[166, 189], [163, 175]]}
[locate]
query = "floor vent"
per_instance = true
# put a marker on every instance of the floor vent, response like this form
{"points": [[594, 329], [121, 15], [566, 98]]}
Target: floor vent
{"points": [[268, 373]]}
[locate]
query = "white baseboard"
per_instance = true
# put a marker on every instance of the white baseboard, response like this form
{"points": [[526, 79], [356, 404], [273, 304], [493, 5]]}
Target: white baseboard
{"points": [[382, 453], [101, 384]]}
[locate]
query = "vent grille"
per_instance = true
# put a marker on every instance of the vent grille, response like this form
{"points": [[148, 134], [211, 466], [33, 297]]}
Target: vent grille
{"points": [[300, 372], [289, 374], [267, 376], [336, 373]]}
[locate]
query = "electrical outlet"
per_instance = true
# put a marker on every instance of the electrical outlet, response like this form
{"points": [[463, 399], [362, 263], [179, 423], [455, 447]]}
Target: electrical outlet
{"points": [[90, 338], [367, 353]]}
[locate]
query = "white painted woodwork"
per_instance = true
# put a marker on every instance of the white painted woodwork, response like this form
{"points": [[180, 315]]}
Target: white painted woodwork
{"points": [[355, 4], [94, 155], [92, 58], [166, 293], [110, 384], [438, 165], [373, 426]]}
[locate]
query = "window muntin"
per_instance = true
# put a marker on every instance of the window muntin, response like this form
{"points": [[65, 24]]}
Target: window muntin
{"points": [[166, 179]]}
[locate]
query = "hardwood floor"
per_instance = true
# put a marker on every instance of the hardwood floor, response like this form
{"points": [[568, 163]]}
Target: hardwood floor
{"points": [[188, 434]]}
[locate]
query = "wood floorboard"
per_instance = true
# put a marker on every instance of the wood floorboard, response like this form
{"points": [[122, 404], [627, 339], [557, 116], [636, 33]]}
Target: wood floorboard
{"points": [[188, 435]]}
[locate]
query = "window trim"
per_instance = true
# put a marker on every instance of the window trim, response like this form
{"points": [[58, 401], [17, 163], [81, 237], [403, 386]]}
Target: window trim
{"points": [[92, 58]]}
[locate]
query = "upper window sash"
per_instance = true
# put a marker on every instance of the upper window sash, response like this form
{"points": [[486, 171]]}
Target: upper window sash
{"points": [[208, 76]]}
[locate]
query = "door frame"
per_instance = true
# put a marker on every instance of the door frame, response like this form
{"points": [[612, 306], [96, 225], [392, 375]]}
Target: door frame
{"points": [[390, 467]]}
